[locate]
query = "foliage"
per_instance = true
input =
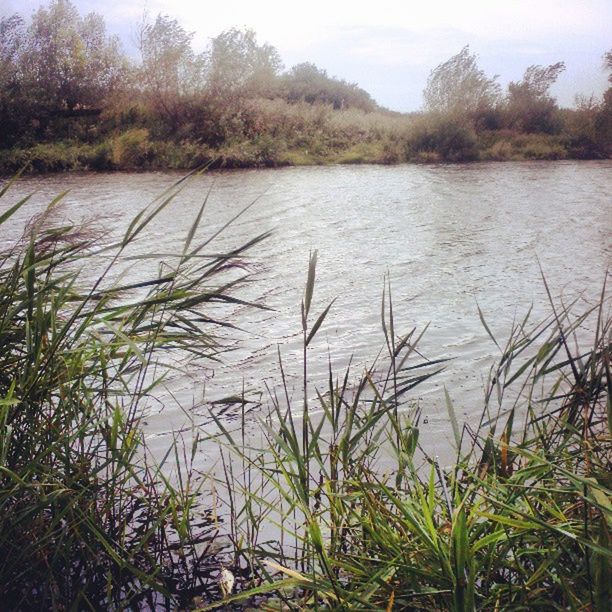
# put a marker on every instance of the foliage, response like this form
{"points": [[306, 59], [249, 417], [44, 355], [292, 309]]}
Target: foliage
{"points": [[369, 520], [89, 519], [62, 64], [305, 82], [530, 106], [604, 119], [607, 61], [239, 65], [458, 87], [171, 71], [516, 147], [12, 32], [68, 61], [442, 139], [69, 98]]}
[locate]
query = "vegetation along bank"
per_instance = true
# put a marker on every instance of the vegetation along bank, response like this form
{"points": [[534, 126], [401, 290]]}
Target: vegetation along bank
{"points": [[71, 99]]}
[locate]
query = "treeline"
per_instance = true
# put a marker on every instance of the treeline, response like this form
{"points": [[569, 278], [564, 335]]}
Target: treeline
{"points": [[469, 116], [71, 98], [63, 66]]}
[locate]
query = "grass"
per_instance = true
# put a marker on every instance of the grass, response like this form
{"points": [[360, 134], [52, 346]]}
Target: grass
{"points": [[338, 505], [273, 133], [519, 520], [88, 518]]}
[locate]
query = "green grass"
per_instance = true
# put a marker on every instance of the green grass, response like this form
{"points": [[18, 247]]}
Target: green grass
{"points": [[339, 504], [88, 518], [519, 520]]}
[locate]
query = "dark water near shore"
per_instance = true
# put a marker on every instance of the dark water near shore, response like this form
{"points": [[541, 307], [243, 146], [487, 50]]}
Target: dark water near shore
{"points": [[449, 237]]}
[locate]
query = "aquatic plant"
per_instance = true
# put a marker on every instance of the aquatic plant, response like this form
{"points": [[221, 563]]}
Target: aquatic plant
{"points": [[338, 505], [366, 518], [89, 518]]}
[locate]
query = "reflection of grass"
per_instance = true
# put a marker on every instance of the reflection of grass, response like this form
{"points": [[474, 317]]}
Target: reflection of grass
{"points": [[88, 518], [520, 520]]}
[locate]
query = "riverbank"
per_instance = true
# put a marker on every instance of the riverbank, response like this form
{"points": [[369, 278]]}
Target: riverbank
{"points": [[134, 150], [234, 105]]}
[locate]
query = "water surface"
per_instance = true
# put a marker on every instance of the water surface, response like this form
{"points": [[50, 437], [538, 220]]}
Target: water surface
{"points": [[449, 237]]}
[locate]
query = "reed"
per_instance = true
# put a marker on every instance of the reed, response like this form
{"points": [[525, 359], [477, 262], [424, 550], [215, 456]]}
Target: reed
{"points": [[338, 505], [366, 518], [89, 519]]}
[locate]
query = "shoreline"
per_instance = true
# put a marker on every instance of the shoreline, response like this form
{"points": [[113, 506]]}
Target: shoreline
{"points": [[57, 158]]}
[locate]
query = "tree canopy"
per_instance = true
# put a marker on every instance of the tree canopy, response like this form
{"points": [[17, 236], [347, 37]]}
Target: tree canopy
{"points": [[459, 87], [306, 82], [607, 58], [238, 64], [68, 61], [170, 68], [530, 106]]}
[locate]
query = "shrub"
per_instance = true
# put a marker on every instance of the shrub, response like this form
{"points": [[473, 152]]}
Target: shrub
{"points": [[132, 149], [444, 138]]}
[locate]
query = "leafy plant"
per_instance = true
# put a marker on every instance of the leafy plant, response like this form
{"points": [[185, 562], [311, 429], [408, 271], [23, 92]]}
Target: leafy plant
{"points": [[520, 519], [88, 518]]}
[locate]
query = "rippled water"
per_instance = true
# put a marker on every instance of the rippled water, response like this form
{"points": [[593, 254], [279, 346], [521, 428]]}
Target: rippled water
{"points": [[449, 237]]}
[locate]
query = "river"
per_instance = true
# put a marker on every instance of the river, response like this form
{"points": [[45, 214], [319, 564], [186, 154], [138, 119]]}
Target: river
{"points": [[449, 237]]}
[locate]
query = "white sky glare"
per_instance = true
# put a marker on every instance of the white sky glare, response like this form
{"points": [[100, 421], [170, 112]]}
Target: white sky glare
{"points": [[389, 47]]}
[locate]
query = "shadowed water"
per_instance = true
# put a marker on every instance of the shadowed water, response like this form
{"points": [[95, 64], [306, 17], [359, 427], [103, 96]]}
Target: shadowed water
{"points": [[450, 238]]}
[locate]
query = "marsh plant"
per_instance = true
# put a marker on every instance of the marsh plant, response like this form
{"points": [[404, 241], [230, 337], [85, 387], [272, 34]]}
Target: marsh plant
{"points": [[334, 502], [89, 518], [366, 518]]}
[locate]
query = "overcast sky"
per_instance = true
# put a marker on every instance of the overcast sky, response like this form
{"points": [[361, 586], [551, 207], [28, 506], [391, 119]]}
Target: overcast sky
{"points": [[388, 47]]}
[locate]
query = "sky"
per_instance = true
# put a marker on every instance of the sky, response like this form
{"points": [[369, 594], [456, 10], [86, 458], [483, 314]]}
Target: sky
{"points": [[388, 47]]}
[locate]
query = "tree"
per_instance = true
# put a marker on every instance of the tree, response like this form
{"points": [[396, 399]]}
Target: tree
{"points": [[239, 65], [69, 62], [306, 82], [530, 106], [607, 65], [459, 87], [607, 58], [603, 123], [13, 111], [11, 32], [171, 71]]}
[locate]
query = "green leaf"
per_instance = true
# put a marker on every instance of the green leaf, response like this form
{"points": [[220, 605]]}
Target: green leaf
{"points": [[318, 322]]}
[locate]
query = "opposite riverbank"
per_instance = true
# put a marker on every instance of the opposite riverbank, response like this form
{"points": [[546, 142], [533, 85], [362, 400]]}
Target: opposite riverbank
{"points": [[349, 137], [71, 99]]}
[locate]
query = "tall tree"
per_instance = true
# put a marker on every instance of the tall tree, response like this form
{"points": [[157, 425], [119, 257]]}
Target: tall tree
{"points": [[12, 31], [531, 108], [459, 87], [69, 61], [603, 123], [239, 65], [13, 111], [171, 71]]}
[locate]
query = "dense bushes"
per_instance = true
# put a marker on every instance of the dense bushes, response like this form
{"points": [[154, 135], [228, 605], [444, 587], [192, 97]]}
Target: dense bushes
{"points": [[437, 138], [234, 105]]}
